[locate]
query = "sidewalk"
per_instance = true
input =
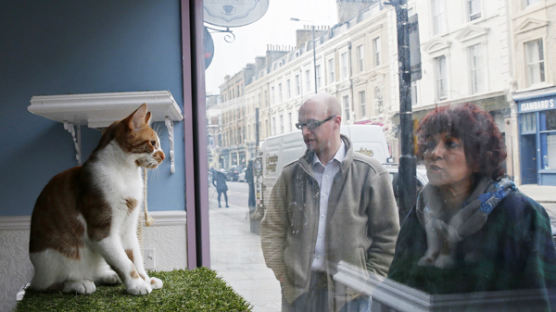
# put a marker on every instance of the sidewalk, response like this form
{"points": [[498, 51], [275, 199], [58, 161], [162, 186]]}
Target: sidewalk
{"points": [[237, 257], [540, 193], [545, 195]]}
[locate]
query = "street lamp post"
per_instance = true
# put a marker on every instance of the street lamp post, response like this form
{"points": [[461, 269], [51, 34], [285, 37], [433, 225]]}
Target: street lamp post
{"points": [[314, 49], [407, 170]]}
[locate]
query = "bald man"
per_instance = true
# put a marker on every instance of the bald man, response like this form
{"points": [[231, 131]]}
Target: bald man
{"points": [[330, 205]]}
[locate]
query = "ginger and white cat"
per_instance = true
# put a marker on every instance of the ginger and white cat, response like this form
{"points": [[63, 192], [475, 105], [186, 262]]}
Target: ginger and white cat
{"points": [[84, 224]]}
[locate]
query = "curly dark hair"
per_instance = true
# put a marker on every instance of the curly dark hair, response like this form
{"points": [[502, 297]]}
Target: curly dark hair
{"points": [[482, 142]]}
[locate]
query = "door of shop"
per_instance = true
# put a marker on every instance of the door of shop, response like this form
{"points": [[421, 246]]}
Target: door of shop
{"points": [[528, 159]]}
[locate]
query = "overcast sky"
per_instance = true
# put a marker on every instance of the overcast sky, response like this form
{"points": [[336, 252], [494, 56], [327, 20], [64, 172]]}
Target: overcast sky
{"points": [[274, 28]]}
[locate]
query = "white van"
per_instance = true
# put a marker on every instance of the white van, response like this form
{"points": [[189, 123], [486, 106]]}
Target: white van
{"points": [[278, 151]]}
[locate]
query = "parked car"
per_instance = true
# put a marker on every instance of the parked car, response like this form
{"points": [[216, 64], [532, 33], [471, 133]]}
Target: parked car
{"points": [[241, 176], [422, 178], [232, 174], [421, 181]]}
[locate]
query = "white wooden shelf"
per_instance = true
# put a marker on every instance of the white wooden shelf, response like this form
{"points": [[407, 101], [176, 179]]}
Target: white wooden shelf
{"points": [[99, 110]]}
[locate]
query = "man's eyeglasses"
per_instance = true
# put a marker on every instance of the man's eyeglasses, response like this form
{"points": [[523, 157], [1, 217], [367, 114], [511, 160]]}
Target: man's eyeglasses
{"points": [[312, 124]]}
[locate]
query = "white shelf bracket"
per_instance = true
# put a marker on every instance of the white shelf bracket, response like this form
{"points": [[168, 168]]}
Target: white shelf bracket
{"points": [[75, 132], [170, 126]]}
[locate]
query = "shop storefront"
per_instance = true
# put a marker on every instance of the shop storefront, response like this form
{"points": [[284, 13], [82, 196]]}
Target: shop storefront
{"points": [[537, 136]]}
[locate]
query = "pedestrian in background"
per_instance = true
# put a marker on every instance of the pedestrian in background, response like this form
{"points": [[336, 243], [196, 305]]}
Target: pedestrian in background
{"points": [[250, 178], [219, 181], [472, 230], [330, 205]]}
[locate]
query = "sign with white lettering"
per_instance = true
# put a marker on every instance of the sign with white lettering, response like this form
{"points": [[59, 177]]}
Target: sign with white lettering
{"points": [[532, 106], [234, 13]]}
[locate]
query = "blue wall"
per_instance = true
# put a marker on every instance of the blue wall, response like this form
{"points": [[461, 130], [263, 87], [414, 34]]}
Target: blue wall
{"points": [[62, 47]]}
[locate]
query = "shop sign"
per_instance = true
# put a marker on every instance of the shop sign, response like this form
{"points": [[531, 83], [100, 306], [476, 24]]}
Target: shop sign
{"points": [[537, 105]]}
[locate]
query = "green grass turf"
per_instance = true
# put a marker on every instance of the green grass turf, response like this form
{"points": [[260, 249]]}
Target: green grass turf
{"points": [[197, 290]]}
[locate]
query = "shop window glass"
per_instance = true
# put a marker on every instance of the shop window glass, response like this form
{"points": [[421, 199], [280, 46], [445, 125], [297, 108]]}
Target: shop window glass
{"points": [[528, 123], [549, 158], [550, 120], [250, 240]]}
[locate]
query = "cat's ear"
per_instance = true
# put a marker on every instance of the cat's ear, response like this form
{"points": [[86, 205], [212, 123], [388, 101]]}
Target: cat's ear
{"points": [[138, 118], [148, 118]]}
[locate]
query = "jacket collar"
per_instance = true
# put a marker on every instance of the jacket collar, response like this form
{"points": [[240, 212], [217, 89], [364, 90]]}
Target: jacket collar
{"points": [[307, 159]]}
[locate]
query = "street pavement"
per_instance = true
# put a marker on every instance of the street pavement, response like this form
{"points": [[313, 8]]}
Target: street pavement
{"points": [[236, 253]]}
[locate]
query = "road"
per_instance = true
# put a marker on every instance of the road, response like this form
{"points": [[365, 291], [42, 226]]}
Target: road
{"points": [[236, 252]]}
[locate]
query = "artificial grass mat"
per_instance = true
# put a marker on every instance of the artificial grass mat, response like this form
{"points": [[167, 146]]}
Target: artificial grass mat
{"points": [[195, 290]]}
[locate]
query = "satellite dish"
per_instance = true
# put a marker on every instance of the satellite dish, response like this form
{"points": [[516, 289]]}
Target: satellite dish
{"points": [[234, 13]]}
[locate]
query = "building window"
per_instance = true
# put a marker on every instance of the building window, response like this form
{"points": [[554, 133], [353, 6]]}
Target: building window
{"points": [[273, 125], [307, 80], [318, 77], [548, 138], [527, 3], [438, 17], [475, 68], [362, 103], [281, 123], [290, 121], [289, 88], [549, 159], [473, 9], [280, 92], [360, 55], [376, 50], [345, 100], [331, 70], [266, 98], [272, 98], [378, 100], [440, 77], [534, 55], [297, 85], [344, 65]]}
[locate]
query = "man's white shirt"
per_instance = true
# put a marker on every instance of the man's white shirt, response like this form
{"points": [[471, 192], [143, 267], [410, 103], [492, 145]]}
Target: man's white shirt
{"points": [[324, 176]]}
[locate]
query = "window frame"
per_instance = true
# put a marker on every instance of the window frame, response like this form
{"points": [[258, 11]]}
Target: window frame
{"points": [[344, 65], [360, 57], [318, 75], [441, 77], [471, 16], [376, 51], [438, 18], [345, 102], [331, 72], [475, 64], [539, 62], [362, 103]]}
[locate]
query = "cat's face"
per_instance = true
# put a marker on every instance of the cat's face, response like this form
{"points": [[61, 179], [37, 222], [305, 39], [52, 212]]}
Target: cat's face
{"points": [[136, 137]]}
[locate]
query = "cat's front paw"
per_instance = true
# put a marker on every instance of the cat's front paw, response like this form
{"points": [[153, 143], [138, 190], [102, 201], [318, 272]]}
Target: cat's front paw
{"points": [[138, 287], [109, 278], [83, 287], [156, 283]]}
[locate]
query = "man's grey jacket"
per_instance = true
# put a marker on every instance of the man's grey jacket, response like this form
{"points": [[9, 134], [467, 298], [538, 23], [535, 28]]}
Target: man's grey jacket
{"points": [[362, 223]]}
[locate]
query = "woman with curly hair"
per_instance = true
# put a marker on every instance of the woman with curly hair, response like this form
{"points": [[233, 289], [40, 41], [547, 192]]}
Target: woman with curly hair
{"points": [[471, 229]]}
